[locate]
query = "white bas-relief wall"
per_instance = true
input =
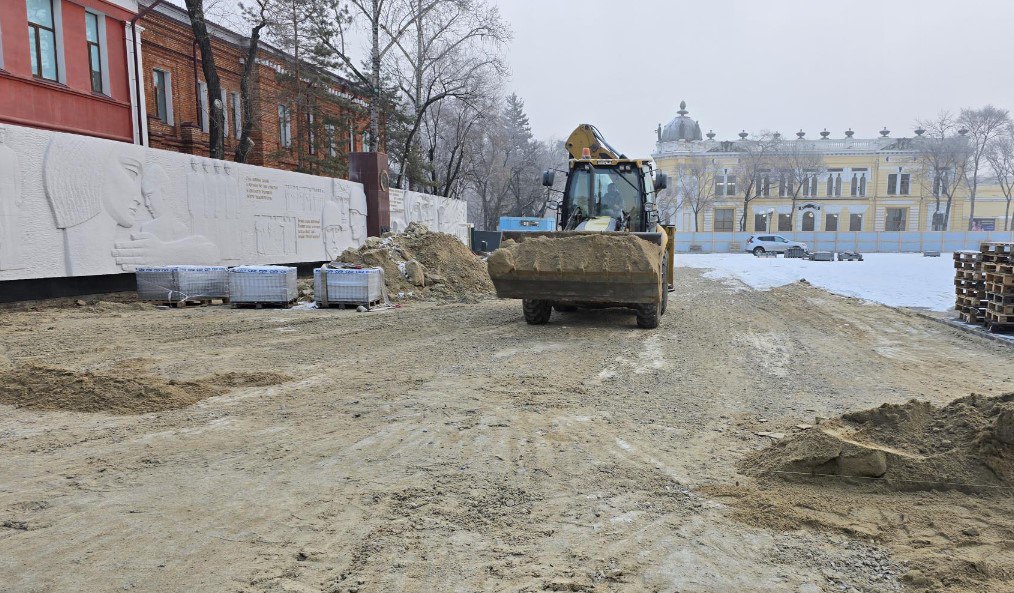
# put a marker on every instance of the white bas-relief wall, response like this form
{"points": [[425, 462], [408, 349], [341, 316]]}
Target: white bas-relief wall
{"points": [[445, 215], [75, 206]]}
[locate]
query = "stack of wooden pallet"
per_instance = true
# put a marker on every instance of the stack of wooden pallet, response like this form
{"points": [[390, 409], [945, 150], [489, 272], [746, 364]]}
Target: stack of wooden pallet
{"points": [[998, 270], [969, 286]]}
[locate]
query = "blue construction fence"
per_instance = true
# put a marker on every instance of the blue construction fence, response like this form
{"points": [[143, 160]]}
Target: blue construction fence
{"points": [[863, 242]]}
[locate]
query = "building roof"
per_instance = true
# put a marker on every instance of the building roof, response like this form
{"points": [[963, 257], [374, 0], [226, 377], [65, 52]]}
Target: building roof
{"points": [[826, 145], [221, 33], [680, 127]]}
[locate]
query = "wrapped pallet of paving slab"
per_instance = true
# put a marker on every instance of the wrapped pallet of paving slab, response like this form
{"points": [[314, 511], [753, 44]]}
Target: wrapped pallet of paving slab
{"points": [[262, 285], [335, 286], [182, 284]]}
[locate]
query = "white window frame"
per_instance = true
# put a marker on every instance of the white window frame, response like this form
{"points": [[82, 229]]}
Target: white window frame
{"points": [[202, 98], [167, 76], [284, 126], [103, 49], [237, 114], [311, 135], [862, 182], [331, 133], [1, 46], [225, 112], [61, 63], [897, 183]]}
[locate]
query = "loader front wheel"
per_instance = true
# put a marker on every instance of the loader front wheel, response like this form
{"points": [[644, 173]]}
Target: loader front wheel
{"points": [[648, 315], [537, 312]]}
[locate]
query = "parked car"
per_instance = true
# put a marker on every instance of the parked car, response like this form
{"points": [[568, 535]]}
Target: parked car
{"points": [[777, 243]]}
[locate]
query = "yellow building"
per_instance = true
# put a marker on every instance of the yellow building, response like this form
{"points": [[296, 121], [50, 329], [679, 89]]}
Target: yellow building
{"points": [[858, 184]]}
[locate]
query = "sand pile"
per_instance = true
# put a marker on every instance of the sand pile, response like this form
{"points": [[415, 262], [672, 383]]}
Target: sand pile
{"points": [[616, 254], [424, 264], [122, 391], [913, 446]]}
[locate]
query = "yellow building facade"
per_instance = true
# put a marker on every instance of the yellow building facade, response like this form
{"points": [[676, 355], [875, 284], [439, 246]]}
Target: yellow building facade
{"points": [[861, 184]]}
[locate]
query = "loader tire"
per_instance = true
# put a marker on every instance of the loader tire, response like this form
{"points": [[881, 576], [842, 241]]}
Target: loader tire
{"points": [[537, 312], [648, 315], [665, 287]]}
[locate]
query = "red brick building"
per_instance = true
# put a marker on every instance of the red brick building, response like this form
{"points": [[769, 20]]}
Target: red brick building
{"points": [[306, 129], [66, 65]]}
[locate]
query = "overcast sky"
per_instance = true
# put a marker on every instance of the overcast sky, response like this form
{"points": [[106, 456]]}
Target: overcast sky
{"points": [[772, 64]]}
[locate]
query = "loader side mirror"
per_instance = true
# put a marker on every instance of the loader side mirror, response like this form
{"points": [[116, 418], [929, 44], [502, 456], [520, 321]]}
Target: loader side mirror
{"points": [[548, 177], [661, 182]]}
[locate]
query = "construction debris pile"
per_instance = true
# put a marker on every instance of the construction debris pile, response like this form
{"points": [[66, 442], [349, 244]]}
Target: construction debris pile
{"points": [[967, 445], [419, 264]]}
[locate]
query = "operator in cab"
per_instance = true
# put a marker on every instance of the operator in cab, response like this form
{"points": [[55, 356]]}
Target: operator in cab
{"points": [[612, 202]]}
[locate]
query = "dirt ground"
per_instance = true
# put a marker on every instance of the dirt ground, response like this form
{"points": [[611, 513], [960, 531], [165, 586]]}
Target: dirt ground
{"points": [[455, 448]]}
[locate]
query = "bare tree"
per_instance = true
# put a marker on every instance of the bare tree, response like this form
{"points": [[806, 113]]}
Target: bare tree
{"points": [[447, 52], [756, 155], [336, 23], [1000, 157], [983, 127], [216, 125], [503, 167], [943, 156], [798, 165], [448, 129], [694, 188], [256, 14]]}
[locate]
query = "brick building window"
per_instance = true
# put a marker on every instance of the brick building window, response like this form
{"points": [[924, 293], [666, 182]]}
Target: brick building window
{"points": [[895, 220], [94, 50], [163, 96], [330, 140], [42, 39], [203, 119], [225, 114], [237, 115], [311, 135], [723, 220], [855, 222], [284, 126]]}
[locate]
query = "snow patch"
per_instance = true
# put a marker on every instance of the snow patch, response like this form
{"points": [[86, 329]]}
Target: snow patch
{"points": [[894, 279]]}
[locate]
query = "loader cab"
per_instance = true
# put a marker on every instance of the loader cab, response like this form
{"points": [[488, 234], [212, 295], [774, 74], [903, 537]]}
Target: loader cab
{"points": [[622, 190]]}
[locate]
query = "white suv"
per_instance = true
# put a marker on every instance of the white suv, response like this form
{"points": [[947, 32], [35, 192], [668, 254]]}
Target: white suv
{"points": [[760, 243]]}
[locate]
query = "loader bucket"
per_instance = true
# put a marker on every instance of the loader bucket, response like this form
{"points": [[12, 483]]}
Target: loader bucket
{"points": [[577, 267]]}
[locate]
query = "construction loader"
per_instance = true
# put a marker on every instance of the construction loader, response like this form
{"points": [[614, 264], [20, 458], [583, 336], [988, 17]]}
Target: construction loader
{"points": [[609, 249]]}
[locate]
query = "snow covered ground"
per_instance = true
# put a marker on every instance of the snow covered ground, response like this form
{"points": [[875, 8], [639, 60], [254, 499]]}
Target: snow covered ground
{"points": [[895, 279]]}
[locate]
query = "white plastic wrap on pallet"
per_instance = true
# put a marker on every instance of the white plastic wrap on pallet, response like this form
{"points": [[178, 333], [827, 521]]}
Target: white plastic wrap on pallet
{"points": [[262, 284], [348, 285], [182, 283]]}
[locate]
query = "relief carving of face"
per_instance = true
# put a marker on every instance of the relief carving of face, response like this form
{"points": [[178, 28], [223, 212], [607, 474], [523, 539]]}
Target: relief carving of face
{"points": [[155, 179], [122, 196]]}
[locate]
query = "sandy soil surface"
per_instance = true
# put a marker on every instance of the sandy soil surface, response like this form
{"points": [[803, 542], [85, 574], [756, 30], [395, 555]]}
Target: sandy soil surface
{"points": [[454, 448]]}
